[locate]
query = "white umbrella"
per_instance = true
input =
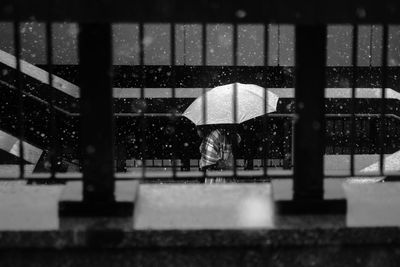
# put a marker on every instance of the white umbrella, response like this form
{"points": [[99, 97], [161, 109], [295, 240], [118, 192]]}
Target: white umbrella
{"points": [[251, 101]]}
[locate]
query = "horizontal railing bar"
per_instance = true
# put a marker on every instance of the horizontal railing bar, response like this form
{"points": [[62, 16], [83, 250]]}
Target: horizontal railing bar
{"points": [[273, 115], [179, 114], [194, 175], [363, 115], [154, 174], [284, 11], [195, 76], [65, 112]]}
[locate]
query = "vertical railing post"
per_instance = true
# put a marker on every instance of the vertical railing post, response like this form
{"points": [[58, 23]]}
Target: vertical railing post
{"points": [[309, 126], [309, 130], [99, 188], [97, 138]]}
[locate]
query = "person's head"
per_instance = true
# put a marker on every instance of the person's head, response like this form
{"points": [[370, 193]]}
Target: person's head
{"points": [[204, 130], [232, 134], [200, 132], [231, 131]]}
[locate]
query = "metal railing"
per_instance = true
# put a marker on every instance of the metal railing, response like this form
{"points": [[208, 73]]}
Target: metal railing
{"points": [[97, 116]]}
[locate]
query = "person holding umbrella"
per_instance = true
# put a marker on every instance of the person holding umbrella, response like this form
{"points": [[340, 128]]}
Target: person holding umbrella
{"points": [[217, 149], [218, 113]]}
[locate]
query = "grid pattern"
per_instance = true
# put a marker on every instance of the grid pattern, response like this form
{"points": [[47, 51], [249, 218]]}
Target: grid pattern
{"points": [[95, 38]]}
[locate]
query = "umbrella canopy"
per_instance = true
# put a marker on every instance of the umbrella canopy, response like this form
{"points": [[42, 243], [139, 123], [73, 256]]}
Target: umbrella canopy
{"points": [[251, 101]]}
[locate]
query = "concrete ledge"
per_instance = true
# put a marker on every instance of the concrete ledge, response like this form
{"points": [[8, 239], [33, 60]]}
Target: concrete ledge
{"points": [[201, 225], [72, 203], [333, 202]]}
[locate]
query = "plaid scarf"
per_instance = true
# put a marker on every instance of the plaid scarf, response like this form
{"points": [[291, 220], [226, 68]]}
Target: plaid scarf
{"points": [[216, 151]]}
